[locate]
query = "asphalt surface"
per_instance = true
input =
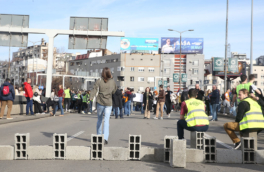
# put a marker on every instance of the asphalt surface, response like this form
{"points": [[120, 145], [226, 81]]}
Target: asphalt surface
{"points": [[79, 128]]}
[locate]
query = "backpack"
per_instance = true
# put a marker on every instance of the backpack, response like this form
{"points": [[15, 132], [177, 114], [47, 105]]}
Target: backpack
{"points": [[184, 96], [223, 96], [6, 90]]}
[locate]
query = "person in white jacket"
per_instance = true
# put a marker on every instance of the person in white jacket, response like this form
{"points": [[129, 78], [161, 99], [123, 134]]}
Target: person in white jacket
{"points": [[37, 100]]}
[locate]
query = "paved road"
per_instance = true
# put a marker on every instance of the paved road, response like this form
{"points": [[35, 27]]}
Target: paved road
{"points": [[152, 131]]}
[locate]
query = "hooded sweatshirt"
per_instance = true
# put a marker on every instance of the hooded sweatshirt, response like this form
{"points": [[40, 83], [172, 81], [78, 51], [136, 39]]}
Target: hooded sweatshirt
{"points": [[10, 96], [28, 90], [117, 99]]}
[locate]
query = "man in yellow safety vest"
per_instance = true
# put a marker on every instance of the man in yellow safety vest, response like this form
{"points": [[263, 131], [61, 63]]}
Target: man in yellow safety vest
{"points": [[249, 118], [193, 116]]}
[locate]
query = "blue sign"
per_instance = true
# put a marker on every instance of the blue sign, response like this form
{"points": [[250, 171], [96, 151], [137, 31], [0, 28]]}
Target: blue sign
{"points": [[188, 45], [139, 44]]}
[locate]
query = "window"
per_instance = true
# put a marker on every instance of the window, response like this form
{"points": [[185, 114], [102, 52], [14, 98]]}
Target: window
{"points": [[195, 71], [167, 71], [151, 69], [195, 63], [120, 78], [132, 78], [140, 79], [96, 70], [262, 83], [262, 76], [150, 79], [255, 83], [118, 69], [122, 68], [90, 82], [132, 69], [141, 69]]}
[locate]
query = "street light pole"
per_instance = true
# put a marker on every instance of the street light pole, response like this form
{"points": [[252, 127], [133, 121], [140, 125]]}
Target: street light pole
{"points": [[225, 79], [180, 52], [251, 46], [34, 58]]}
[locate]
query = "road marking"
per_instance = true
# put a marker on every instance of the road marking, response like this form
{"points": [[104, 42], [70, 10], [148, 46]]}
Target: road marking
{"points": [[75, 135], [220, 142]]}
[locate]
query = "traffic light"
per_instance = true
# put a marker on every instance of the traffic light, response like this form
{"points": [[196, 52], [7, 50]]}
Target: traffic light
{"points": [[168, 80]]}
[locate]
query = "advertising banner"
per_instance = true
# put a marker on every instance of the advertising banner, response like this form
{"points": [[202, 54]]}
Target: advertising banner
{"points": [[188, 45], [183, 77], [160, 82], [146, 45], [232, 65], [241, 69], [176, 77], [218, 64], [138, 98], [165, 84]]}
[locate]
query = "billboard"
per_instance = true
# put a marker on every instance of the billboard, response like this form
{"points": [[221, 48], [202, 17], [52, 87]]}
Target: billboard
{"points": [[233, 65], [188, 45], [241, 69], [218, 64], [133, 45]]}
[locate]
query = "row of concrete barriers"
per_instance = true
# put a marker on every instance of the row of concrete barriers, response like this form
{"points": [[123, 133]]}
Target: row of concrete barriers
{"points": [[178, 154]]}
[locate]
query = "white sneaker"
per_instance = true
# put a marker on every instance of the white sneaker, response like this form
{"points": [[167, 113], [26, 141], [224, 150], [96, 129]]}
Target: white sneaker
{"points": [[43, 113], [83, 112], [9, 118], [38, 113], [155, 118], [89, 112], [161, 118], [168, 116], [224, 114]]}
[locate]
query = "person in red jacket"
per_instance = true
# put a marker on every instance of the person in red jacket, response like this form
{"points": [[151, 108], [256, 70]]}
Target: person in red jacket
{"points": [[29, 96]]}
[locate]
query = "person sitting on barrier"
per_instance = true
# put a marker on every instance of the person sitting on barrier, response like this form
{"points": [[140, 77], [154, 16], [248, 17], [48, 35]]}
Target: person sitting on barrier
{"points": [[193, 110], [249, 118]]}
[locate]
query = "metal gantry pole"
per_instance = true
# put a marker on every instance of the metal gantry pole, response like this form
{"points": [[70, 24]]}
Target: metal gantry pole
{"points": [[251, 41], [180, 66], [225, 79]]}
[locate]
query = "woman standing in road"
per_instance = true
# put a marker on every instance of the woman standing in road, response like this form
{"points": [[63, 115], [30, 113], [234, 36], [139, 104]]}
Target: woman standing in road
{"points": [[105, 87], [147, 102]]}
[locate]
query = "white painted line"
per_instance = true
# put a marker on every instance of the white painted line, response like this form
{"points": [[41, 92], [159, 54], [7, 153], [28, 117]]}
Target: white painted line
{"points": [[219, 142], [75, 135]]}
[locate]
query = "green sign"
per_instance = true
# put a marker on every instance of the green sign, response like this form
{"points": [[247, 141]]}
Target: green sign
{"points": [[160, 82], [165, 84], [218, 64], [232, 65], [183, 77], [175, 77]]}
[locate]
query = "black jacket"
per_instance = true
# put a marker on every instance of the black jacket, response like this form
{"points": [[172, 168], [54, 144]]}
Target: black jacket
{"points": [[117, 99], [243, 107], [10, 96], [150, 100]]}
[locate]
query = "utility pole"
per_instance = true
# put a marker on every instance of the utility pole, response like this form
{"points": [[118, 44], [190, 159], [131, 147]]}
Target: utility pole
{"points": [[251, 43], [225, 79]]}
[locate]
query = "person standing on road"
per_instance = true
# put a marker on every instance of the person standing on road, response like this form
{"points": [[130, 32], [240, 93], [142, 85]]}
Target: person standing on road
{"points": [[168, 101], [147, 102], [249, 118], [67, 99], [7, 97], [60, 95], [226, 102], [117, 104], [195, 116], [105, 87], [200, 93], [214, 99], [160, 103], [129, 96], [29, 96]]}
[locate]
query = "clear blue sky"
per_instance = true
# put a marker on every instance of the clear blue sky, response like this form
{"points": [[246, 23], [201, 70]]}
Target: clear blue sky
{"points": [[150, 19]]}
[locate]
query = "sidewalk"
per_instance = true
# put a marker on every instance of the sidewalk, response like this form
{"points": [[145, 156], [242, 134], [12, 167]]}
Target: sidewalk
{"points": [[24, 117]]}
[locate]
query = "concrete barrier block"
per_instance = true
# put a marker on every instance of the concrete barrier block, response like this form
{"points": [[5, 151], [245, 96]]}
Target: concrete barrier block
{"points": [[249, 143], [178, 153], [116, 154], [229, 156], [6, 152], [196, 139], [259, 156], [167, 141], [249, 157], [152, 154], [78, 153], [40, 152], [194, 155]]}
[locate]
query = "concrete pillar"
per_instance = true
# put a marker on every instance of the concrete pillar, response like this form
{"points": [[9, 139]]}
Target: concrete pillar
{"points": [[178, 153]]}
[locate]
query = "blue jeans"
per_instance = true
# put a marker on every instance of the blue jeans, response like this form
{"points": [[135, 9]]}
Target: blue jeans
{"points": [[91, 106], [60, 105], [106, 112], [142, 109], [214, 111], [128, 107], [233, 110], [29, 106], [211, 109], [117, 112], [219, 106], [182, 124]]}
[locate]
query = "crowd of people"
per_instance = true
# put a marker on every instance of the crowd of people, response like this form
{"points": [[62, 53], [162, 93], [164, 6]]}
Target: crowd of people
{"points": [[195, 105]]}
